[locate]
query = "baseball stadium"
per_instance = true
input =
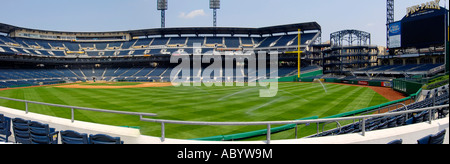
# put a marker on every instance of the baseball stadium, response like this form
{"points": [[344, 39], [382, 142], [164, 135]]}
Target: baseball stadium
{"points": [[130, 87]]}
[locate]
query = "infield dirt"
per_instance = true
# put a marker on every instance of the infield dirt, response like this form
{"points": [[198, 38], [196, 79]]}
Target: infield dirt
{"points": [[143, 85]]}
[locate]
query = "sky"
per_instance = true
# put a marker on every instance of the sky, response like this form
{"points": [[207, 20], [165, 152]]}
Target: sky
{"points": [[120, 15]]}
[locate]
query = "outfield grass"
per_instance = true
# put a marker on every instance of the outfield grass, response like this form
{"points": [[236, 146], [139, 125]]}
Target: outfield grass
{"points": [[294, 101]]}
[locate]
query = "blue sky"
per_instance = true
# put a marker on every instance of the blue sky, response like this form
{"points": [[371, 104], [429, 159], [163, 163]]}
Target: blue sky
{"points": [[117, 15]]}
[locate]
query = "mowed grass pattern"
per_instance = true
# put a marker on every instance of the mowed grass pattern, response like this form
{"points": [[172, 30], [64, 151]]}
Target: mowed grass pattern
{"points": [[294, 101]]}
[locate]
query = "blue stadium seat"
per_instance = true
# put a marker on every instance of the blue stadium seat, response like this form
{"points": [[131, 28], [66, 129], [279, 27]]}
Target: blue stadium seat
{"points": [[285, 40], [437, 138], [104, 139], [267, 42], [177, 40], [193, 40], [443, 112], [5, 127], [418, 118], [392, 123], [410, 121], [142, 43], [396, 142], [73, 137], [42, 134], [160, 41], [383, 125], [232, 42], [21, 131], [401, 120]]}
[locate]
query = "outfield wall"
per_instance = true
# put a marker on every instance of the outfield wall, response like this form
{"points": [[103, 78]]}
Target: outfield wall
{"points": [[410, 133]]}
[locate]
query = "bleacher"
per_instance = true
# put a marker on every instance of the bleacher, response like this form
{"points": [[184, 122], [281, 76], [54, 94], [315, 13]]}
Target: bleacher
{"points": [[30, 77], [269, 42], [52, 48], [33, 132], [401, 69]]}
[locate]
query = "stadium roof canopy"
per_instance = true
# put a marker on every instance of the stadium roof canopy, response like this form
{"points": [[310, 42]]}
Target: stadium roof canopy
{"points": [[5, 28]]}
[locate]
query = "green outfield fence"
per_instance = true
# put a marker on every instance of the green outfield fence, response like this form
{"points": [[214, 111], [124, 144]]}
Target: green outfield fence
{"points": [[295, 78], [251, 134], [406, 87]]}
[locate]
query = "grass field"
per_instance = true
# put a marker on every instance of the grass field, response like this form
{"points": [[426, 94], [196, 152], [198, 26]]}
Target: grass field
{"points": [[294, 101], [110, 84]]}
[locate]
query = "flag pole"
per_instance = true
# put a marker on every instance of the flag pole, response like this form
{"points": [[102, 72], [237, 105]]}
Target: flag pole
{"points": [[299, 53]]}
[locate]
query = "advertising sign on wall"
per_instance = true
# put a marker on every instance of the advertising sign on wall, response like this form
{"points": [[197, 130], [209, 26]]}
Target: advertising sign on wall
{"points": [[363, 82], [395, 35]]}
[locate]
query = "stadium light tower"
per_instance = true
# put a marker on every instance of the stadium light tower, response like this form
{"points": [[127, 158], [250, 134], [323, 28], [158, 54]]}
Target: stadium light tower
{"points": [[389, 18], [162, 5], [214, 4]]}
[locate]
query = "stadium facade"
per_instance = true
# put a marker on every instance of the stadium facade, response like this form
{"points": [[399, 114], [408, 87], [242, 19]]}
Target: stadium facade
{"points": [[32, 57], [142, 55]]}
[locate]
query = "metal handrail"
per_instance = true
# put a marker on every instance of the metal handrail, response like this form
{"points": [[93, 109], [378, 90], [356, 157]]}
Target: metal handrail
{"points": [[80, 108], [269, 123], [338, 125], [389, 107]]}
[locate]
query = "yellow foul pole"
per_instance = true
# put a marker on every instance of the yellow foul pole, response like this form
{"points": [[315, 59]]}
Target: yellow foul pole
{"points": [[299, 52]]}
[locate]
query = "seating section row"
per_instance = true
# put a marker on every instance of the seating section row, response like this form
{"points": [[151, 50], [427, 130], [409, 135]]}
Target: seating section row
{"points": [[146, 46], [33, 132], [392, 69], [432, 139], [10, 78]]}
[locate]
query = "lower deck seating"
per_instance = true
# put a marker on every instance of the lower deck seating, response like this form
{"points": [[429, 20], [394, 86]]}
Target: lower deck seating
{"points": [[73, 137], [10, 78], [433, 138], [5, 128], [33, 132], [411, 68], [437, 138]]}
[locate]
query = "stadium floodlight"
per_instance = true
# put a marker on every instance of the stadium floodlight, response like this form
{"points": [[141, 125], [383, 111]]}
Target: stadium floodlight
{"points": [[214, 4], [163, 6]]}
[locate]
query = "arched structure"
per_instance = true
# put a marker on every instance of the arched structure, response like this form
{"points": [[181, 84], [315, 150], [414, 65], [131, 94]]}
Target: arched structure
{"points": [[350, 37]]}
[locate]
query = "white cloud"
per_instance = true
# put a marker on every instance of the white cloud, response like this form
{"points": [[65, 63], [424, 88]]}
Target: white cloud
{"points": [[192, 14]]}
